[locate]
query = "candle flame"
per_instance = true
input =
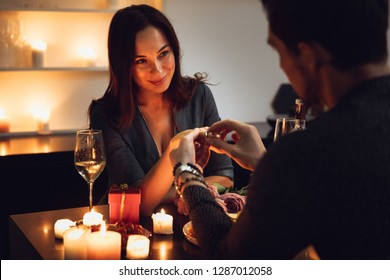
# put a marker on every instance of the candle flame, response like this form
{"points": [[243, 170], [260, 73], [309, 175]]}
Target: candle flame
{"points": [[162, 211]]}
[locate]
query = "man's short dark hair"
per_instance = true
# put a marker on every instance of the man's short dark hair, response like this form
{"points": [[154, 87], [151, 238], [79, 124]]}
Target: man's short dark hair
{"points": [[353, 31]]}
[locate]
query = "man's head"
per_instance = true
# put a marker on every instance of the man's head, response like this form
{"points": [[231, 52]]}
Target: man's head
{"points": [[313, 37], [352, 31]]}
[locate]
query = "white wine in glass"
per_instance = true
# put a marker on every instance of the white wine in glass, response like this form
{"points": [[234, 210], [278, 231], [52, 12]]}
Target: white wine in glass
{"points": [[89, 157]]}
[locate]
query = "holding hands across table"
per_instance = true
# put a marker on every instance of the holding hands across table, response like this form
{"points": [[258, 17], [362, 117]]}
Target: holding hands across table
{"points": [[246, 150]]}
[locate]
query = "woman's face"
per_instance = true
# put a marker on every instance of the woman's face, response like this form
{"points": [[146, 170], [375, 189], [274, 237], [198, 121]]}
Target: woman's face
{"points": [[154, 63]]}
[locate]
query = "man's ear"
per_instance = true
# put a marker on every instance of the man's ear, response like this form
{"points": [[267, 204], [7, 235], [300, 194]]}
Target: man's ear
{"points": [[313, 55]]}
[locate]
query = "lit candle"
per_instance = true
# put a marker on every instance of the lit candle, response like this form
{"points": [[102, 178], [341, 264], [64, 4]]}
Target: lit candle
{"points": [[4, 122], [104, 245], [137, 247], [38, 52], [88, 57], [61, 226], [162, 223], [43, 117], [75, 243], [92, 218]]}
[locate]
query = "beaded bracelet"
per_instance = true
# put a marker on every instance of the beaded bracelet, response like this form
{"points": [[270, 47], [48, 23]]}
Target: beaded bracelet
{"points": [[187, 180]]}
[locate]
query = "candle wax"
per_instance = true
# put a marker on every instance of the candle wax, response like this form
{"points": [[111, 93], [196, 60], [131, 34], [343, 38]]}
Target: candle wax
{"points": [[61, 226], [104, 245], [75, 243], [162, 223], [137, 247]]}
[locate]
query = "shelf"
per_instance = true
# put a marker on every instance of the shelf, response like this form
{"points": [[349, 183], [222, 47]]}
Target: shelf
{"points": [[22, 134], [58, 10], [91, 69]]}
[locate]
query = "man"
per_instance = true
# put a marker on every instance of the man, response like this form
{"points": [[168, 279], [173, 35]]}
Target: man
{"points": [[327, 186]]}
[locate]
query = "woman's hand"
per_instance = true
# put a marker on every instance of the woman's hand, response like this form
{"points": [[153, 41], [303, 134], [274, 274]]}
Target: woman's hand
{"points": [[185, 150], [248, 147], [196, 146]]}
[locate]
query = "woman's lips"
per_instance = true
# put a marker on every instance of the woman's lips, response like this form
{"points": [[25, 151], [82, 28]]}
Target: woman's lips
{"points": [[159, 82]]}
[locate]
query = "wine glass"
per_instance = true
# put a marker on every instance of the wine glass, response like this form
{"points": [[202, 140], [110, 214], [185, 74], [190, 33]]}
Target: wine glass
{"points": [[288, 125], [89, 156]]}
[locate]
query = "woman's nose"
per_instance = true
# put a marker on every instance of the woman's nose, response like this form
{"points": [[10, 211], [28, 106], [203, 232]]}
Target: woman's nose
{"points": [[156, 67]]}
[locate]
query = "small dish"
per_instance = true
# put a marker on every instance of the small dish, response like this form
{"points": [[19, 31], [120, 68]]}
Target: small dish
{"points": [[188, 233]]}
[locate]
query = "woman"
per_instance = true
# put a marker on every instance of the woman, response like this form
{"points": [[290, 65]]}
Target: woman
{"points": [[147, 103]]}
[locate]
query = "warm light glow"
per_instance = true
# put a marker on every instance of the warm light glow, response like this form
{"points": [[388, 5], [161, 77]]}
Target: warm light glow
{"points": [[137, 247], [41, 114], [3, 149], [39, 45], [103, 229], [92, 218], [87, 53], [162, 223], [88, 57], [2, 114], [45, 230], [163, 252]]}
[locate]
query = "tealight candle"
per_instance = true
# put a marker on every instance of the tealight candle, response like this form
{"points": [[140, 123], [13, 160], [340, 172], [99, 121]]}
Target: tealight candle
{"points": [[61, 226], [137, 247], [38, 51], [104, 245], [75, 243], [92, 218], [162, 223]]}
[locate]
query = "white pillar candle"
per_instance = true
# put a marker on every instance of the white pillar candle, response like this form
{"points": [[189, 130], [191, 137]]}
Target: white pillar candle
{"points": [[61, 226], [75, 243], [92, 218], [137, 247], [162, 223], [104, 245]]}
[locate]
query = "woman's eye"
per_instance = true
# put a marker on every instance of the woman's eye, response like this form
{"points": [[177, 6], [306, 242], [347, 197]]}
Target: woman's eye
{"points": [[140, 61], [164, 53]]}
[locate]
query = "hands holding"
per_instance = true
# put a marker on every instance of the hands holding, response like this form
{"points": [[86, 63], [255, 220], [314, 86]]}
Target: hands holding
{"points": [[248, 147], [194, 145]]}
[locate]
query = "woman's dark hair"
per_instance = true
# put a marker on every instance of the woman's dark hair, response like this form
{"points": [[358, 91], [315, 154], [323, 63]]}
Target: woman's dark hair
{"points": [[120, 93], [353, 31]]}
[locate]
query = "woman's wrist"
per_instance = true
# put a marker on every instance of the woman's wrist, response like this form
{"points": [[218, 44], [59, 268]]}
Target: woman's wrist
{"points": [[186, 173]]}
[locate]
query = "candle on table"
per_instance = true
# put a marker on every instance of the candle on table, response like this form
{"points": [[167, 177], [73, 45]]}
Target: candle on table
{"points": [[92, 218], [162, 223], [61, 226], [4, 122], [137, 247], [38, 52], [104, 245], [75, 243]]}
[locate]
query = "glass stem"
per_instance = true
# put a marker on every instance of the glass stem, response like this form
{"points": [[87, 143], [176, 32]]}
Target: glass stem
{"points": [[90, 196]]}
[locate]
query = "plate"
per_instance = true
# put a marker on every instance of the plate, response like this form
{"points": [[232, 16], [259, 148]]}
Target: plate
{"points": [[188, 233]]}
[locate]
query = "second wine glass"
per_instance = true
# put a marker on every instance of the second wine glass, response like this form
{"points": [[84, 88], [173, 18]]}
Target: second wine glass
{"points": [[89, 157]]}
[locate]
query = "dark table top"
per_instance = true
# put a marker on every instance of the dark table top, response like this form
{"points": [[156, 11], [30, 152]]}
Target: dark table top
{"points": [[32, 235]]}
